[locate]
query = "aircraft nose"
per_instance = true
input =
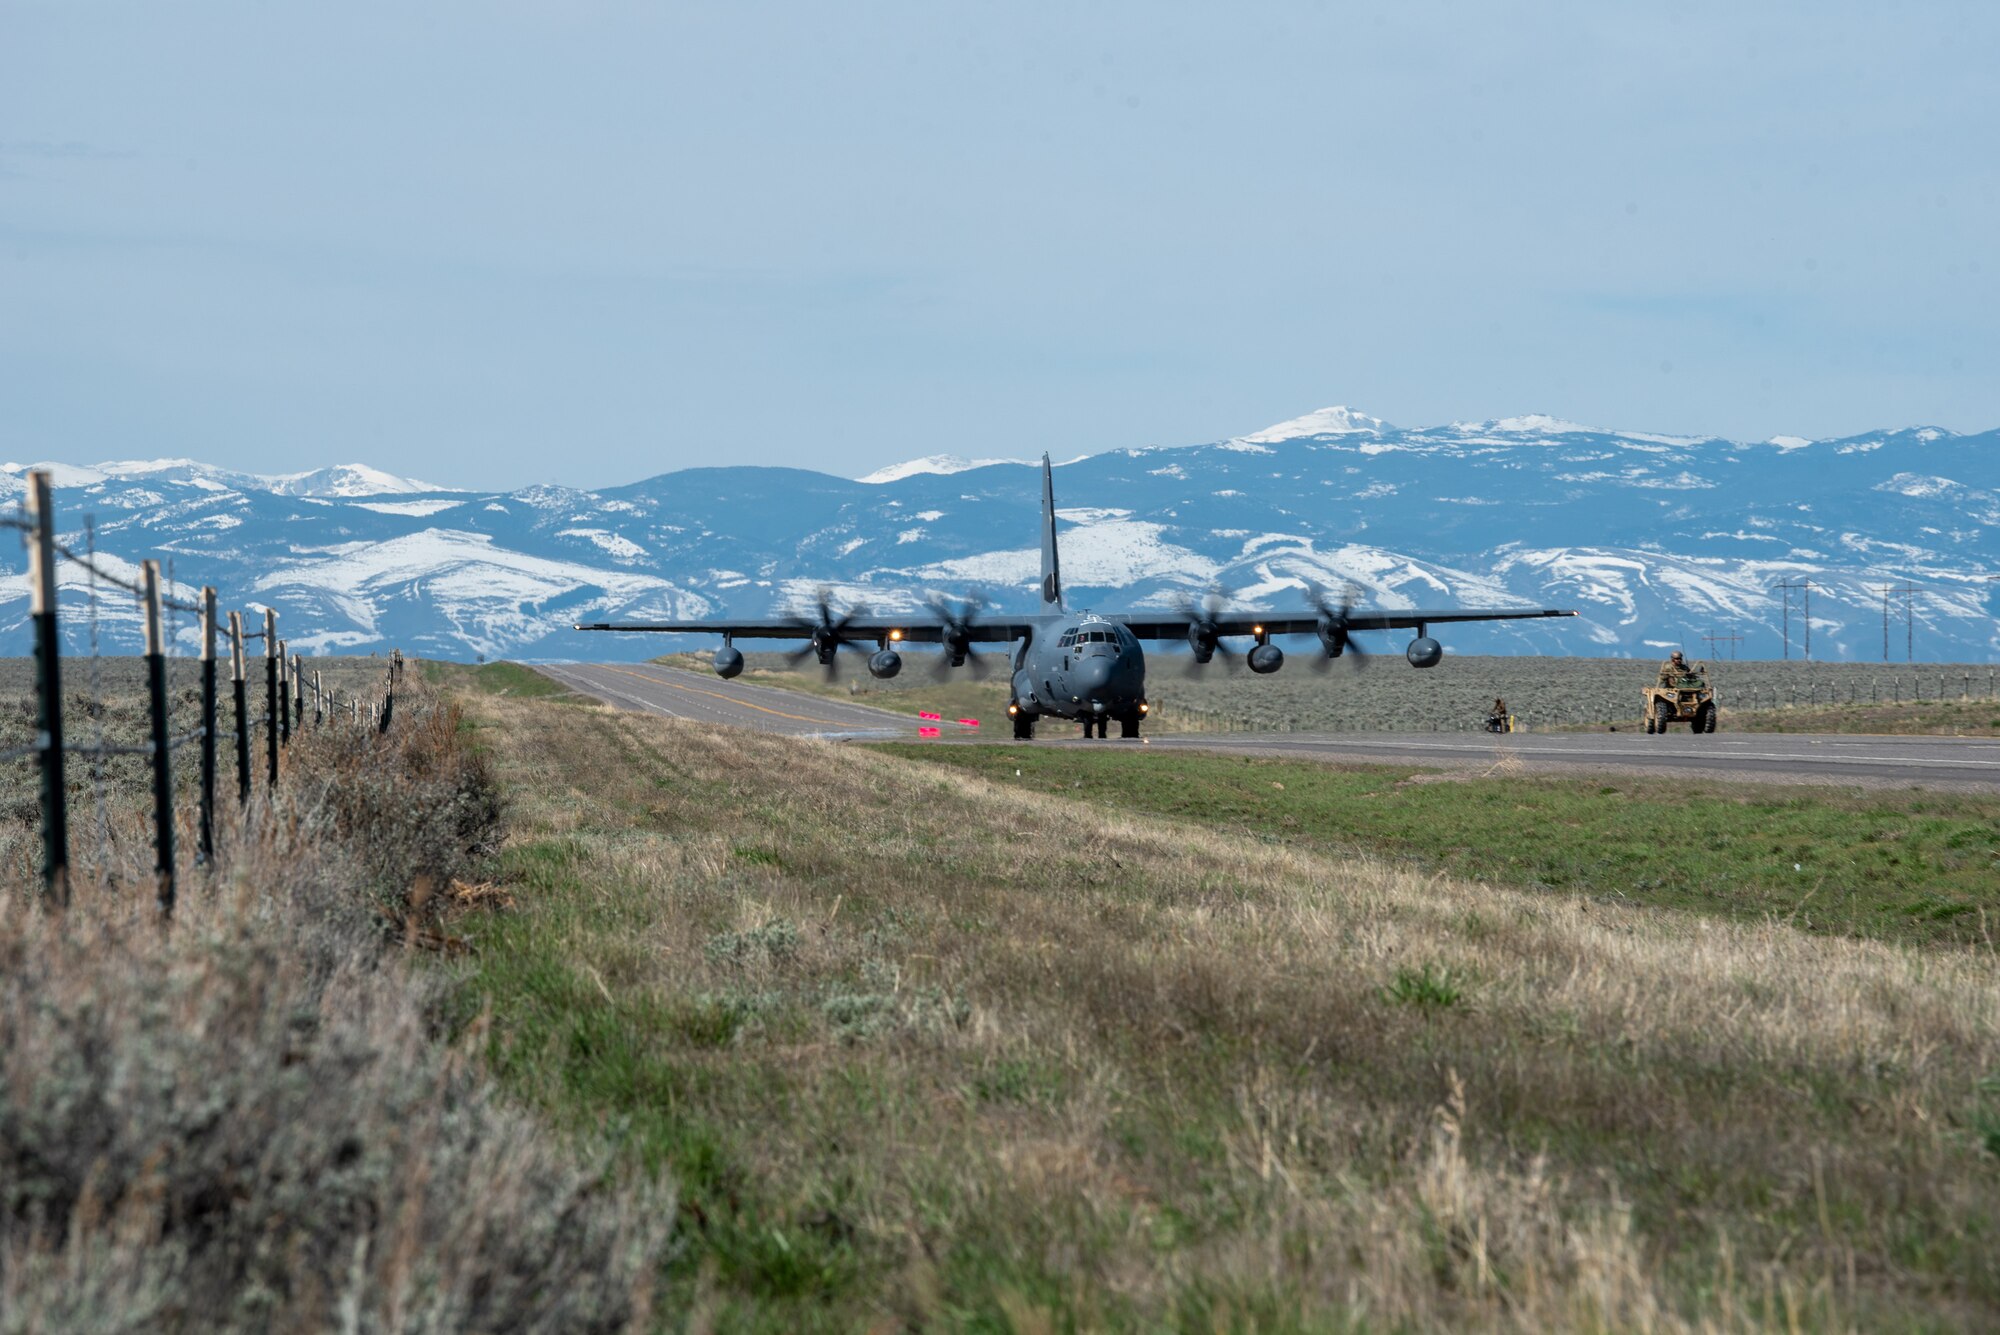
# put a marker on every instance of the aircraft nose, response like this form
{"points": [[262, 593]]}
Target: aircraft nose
{"points": [[1091, 676]]}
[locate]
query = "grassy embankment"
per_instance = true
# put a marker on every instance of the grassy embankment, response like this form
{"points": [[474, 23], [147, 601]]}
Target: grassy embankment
{"points": [[919, 1045], [247, 1123], [1893, 865]]}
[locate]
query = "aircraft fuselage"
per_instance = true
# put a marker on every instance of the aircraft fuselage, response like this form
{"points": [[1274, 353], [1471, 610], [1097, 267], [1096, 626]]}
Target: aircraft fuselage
{"points": [[1081, 666]]}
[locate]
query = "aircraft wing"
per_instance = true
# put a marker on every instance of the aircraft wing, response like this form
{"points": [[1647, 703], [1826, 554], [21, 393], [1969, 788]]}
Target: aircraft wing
{"points": [[1252, 623], [861, 629]]}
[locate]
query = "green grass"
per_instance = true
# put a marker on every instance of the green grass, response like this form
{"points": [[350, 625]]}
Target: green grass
{"points": [[1899, 866], [506, 679], [920, 1051]]}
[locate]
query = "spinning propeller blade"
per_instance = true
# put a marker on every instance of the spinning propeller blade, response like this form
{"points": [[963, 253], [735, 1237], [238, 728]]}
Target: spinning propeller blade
{"points": [[825, 633], [956, 646], [1201, 619], [1322, 604]]}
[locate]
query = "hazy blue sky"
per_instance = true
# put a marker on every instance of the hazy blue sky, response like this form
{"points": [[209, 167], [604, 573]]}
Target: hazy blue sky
{"points": [[510, 241]]}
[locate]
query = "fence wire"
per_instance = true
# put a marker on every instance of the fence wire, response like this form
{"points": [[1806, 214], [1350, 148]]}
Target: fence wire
{"points": [[174, 685], [133, 587]]}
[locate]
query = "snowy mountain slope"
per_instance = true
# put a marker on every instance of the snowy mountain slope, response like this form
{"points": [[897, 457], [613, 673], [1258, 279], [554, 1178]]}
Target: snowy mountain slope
{"points": [[340, 480], [1657, 539]]}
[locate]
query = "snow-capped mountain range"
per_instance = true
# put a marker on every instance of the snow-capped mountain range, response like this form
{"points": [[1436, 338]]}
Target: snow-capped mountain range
{"points": [[1656, 539]]}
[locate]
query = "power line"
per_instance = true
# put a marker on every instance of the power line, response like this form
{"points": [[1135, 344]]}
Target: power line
{"points": [[1732, 639]]}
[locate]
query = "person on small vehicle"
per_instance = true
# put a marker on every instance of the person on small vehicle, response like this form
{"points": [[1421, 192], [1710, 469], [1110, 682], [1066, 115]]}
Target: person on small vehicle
{"points": [[1496, 717], [1675, 668]]}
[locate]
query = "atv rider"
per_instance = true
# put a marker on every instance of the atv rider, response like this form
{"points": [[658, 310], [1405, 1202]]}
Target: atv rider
{"points": [[1676, 668], [1496, 717]]}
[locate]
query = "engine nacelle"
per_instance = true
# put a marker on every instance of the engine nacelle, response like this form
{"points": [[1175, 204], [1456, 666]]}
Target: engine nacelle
{"points": [[1265, 658], [885, 664], [1424, 652], [1332, 638], [728, 662]]}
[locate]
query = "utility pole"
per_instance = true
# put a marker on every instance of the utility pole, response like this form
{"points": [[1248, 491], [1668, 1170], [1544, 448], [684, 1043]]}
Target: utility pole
{"points": [[1909, 592], [1732, 639], [1804, 589]]}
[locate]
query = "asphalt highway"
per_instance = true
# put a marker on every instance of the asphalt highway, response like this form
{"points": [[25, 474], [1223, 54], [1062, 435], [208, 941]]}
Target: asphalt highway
{"points": [[1793, 758]]}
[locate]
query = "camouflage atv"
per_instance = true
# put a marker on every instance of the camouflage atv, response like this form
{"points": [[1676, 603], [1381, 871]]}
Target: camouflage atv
{"points": [[1689, 700]]}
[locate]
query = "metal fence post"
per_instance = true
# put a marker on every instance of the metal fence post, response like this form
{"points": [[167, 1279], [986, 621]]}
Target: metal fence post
{"points": [[48, 689], [241, 692], [319, 701], [284, 694], [299, 692], [271, 693], [163, 780], [205, 839]]}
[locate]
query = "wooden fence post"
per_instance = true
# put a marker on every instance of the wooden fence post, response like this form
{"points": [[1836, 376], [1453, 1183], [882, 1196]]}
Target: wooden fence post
{"points": [[48, 689], [163, 780], [271, 693], [205, 839], [241, 692], [284, 694]]}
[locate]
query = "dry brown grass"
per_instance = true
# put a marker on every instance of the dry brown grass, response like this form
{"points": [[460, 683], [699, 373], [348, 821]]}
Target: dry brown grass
{"points": [[249, 1122], [1032, 1057]]}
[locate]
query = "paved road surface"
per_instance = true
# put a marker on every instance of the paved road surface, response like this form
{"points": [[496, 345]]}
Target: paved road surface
{"points": [[705, 698], [1932, 762]]}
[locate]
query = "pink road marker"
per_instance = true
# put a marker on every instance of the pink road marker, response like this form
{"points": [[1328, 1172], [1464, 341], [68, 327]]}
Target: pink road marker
{"points": [[930, 732], [924, 713], [968, 723]]}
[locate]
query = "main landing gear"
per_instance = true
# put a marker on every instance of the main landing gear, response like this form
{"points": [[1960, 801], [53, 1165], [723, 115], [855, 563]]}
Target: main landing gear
{"points": [[1100, 725]]}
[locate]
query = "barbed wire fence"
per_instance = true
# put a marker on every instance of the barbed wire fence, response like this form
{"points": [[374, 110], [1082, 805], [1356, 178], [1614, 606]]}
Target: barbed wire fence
{"points": [[285, 696]]}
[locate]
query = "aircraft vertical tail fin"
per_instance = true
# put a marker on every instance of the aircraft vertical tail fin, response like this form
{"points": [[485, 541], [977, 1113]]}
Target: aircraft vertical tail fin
{"points": [[1051, 570]]}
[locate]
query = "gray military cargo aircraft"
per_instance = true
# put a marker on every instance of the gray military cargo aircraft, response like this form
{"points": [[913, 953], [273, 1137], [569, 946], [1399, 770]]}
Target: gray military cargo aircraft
{"points": [[1084, 665]]}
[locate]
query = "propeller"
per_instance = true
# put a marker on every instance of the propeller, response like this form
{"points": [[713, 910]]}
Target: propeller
{"points": [[956, 638], [825, 633], [1202, 630], [1333, 620]]}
